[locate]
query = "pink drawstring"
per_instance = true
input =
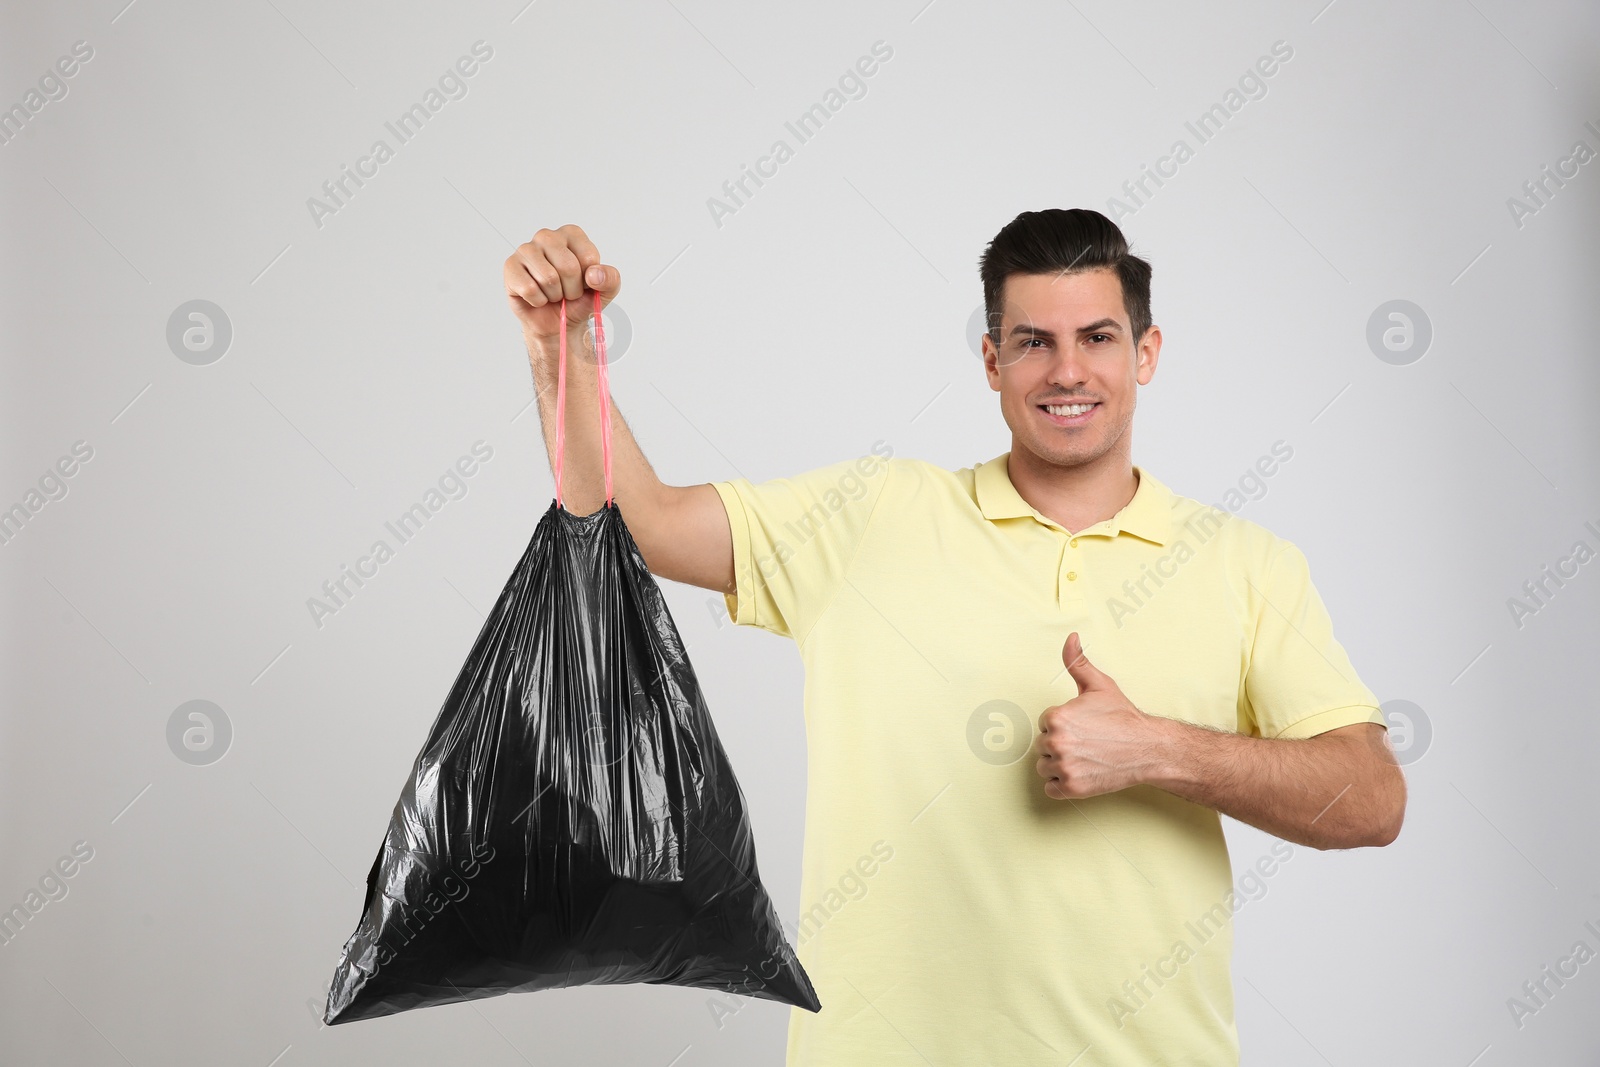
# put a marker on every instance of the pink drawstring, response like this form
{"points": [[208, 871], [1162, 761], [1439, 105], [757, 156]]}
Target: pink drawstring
{"points": [[605, 392], [602, 387], [561, 402]]}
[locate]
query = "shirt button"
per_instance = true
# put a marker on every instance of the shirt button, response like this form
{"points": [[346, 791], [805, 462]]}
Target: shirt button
{"points": [[1073, 542], [1072, 576]]}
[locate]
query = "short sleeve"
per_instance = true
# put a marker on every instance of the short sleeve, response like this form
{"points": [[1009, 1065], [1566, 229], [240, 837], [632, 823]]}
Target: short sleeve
{"points": [[794, 539], [1299, 682]]}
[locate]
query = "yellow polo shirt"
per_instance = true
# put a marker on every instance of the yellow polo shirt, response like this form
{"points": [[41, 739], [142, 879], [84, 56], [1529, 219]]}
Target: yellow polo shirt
{"points": [[951, 913]]}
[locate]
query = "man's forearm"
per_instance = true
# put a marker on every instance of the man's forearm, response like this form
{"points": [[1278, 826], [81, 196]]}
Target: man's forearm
{"points": [[682, 531], [635, 487], [1326, 791]]}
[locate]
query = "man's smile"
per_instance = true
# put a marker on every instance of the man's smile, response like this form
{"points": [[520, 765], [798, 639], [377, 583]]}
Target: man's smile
{"points": [[1070, 414]]}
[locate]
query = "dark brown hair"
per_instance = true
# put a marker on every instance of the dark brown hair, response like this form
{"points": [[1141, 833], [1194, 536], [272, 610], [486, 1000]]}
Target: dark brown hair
{"points": [[1064, 241]]}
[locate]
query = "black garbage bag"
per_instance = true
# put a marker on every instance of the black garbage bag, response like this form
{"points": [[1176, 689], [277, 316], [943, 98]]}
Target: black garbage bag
{"points": [[572, 818]]}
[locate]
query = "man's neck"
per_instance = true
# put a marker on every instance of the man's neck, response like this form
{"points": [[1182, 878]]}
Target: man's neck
{"points": [[1076, 497]]}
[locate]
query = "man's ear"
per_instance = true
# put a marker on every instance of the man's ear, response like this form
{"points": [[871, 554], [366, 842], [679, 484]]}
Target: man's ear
{"points": [[991, 362], [1149, 354]]}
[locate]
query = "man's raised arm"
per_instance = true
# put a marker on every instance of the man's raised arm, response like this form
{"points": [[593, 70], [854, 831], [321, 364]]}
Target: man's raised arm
{"points": [[682, 531]]}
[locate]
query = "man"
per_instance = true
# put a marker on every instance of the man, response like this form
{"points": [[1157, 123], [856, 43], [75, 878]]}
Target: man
{"points": [[1031, 685]]}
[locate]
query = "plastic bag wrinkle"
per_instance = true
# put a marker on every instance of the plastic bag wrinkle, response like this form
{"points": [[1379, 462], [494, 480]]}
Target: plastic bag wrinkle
{"points": [[572, 817]]}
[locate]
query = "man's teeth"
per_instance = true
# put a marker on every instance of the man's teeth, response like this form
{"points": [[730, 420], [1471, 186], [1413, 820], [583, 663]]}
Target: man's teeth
{"points": [[1066, 411]]}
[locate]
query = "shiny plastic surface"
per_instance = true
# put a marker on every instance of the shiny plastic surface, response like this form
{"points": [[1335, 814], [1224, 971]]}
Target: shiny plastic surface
{"points": [[572, 818]]}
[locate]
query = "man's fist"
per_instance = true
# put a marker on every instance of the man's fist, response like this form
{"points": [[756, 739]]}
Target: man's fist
{"points": [[555, 264], [1097, 742]]}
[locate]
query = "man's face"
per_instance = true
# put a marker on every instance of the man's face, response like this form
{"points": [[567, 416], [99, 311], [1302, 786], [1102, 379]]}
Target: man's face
{"points": [[1065, 341]]}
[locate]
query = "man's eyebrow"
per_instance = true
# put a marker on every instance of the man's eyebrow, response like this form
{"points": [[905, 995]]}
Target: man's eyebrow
{"points": [[1049, 335]]}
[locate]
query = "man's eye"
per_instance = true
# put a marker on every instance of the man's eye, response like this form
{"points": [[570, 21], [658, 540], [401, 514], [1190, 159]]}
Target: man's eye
{"points": [[1032, 340], [1102, 335]]}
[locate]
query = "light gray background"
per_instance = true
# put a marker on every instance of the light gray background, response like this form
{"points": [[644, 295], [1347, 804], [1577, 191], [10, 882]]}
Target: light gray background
{"points": [[829, 312]]}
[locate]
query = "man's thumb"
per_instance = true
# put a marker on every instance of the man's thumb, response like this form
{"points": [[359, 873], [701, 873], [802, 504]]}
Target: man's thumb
{"points": [[604, 279], [1086, 674]]}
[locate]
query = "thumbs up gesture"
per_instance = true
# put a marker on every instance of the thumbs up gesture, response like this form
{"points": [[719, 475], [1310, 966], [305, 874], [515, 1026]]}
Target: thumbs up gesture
{"points": [[1097, 742]]}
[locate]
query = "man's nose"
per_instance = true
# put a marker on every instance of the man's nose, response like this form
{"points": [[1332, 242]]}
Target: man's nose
{"points": [[1067, 367]]}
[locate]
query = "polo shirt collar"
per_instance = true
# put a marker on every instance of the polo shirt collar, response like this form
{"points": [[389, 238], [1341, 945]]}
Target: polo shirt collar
{"points": [[1148, 515]]}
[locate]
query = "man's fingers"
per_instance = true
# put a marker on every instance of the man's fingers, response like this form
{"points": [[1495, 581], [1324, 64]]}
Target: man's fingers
{"points": [[607, 281], [532, 276], [1044, 723], [569, 270], [1072, 651], [521, 283], [578, 241], [554, 266], [576, 259], [1087, 675], [1054, 788], [551, 263], [596, 275]]}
